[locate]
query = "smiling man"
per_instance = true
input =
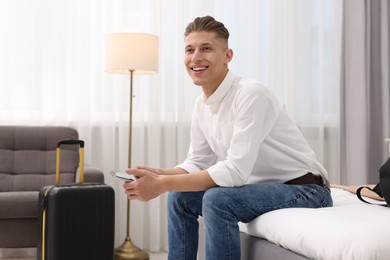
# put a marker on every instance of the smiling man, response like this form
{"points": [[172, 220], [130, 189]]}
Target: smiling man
{"points": [[246, 157]]}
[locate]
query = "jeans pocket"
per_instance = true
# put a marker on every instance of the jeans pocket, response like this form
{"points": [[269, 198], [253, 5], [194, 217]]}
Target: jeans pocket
{"points": [[324, 194]]}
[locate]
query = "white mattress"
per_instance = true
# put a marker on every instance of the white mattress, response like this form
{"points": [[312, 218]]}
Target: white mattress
{"points": [[350, 229]]}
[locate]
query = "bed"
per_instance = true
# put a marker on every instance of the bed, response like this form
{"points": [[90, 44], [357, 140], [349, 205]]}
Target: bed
{"points": [[351, 229]]}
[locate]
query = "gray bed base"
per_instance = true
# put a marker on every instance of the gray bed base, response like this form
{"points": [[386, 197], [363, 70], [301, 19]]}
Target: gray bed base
{"points": [[254, 248]]}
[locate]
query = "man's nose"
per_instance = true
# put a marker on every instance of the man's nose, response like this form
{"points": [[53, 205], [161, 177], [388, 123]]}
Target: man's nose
{"points": [[197, 55]]}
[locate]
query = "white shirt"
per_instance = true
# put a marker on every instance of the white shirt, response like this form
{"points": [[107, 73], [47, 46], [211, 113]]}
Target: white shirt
{"points": [[242, 134]]}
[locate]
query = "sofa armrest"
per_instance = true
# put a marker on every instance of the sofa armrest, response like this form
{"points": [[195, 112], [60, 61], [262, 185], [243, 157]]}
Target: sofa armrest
{"points": [[91, 174]]}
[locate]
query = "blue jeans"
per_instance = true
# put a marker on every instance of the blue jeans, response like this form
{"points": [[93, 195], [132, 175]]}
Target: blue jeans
{"points": [[222, 209]]}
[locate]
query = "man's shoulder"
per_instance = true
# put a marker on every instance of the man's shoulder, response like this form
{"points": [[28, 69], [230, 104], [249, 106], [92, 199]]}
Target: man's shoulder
{"points": [[251, 87]]}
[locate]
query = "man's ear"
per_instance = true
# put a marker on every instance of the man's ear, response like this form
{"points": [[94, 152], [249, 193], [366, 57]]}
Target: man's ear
{"points": [[229, 56]]}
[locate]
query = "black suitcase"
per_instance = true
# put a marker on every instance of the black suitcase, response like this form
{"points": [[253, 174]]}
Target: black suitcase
{"points": [[76, 220]]}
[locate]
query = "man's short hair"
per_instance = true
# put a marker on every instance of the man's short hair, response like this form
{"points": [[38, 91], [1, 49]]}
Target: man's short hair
{"points": [[209, 24]]}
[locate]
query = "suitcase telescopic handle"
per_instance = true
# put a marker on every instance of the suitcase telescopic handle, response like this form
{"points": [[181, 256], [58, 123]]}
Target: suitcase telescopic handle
{"points": [[71, 141], [58, 157]]}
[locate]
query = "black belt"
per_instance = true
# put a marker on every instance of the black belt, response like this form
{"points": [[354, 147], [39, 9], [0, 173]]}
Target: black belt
{"points": [[310, 178]]}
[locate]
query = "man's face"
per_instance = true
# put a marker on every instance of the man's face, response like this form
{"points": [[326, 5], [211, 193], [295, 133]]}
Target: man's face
{"points": [[206, 59]]}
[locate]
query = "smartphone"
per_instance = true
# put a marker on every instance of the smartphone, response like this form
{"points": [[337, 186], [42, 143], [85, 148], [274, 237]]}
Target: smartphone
{"points": [[122, 175]]}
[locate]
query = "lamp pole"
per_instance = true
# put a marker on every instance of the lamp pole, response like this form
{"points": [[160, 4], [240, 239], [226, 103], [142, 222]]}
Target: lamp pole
{"points": [[129, 251]]}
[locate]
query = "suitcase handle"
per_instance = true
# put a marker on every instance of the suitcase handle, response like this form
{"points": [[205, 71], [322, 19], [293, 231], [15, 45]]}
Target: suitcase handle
{"points": [[58, 157], [71, 141]]}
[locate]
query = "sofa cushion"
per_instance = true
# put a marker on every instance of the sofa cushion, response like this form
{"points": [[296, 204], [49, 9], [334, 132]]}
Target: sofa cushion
{"points": [[34, 137], [28, 157], [19, 204], [31, 182]]}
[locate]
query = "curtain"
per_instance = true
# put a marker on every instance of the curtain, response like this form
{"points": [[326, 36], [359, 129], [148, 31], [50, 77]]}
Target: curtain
{"points": [[365, 109], [52, 73]]}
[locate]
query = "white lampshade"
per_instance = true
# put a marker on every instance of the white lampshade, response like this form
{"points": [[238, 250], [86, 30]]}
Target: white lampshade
{"points": [[131, 51]]}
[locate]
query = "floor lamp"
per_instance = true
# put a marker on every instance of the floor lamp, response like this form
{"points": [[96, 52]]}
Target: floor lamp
{"points": [[131, 53]]}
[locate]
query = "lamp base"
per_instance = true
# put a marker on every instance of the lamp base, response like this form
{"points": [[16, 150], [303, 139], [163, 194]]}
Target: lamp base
{"points": [[129, 251]]}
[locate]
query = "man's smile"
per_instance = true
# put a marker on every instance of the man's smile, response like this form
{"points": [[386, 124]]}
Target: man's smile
{"points": [[199, 68]]}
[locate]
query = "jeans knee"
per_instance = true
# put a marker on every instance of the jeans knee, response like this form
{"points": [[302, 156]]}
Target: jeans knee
{"points": [[185, 202], [211, 196], [214, 200]]}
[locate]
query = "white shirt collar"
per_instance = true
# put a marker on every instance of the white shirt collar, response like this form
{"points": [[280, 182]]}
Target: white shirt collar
{"points": [[215, 99]]}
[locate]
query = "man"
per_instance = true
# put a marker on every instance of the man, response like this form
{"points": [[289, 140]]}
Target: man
{"points": [[246, 156]]}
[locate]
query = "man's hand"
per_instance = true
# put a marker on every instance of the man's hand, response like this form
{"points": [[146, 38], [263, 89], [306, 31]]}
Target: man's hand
{"points": [[149, 183]]}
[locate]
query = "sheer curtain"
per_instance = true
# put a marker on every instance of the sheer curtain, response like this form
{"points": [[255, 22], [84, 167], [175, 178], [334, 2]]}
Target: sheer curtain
{"points": [[52, 73]]}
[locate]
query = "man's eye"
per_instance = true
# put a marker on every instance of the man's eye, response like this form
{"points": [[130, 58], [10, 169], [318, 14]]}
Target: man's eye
{"points": [[206, 48], [189, 50]]}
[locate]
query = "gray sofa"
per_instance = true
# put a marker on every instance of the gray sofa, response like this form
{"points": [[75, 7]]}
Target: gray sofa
{"points": [[27, 163]]}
